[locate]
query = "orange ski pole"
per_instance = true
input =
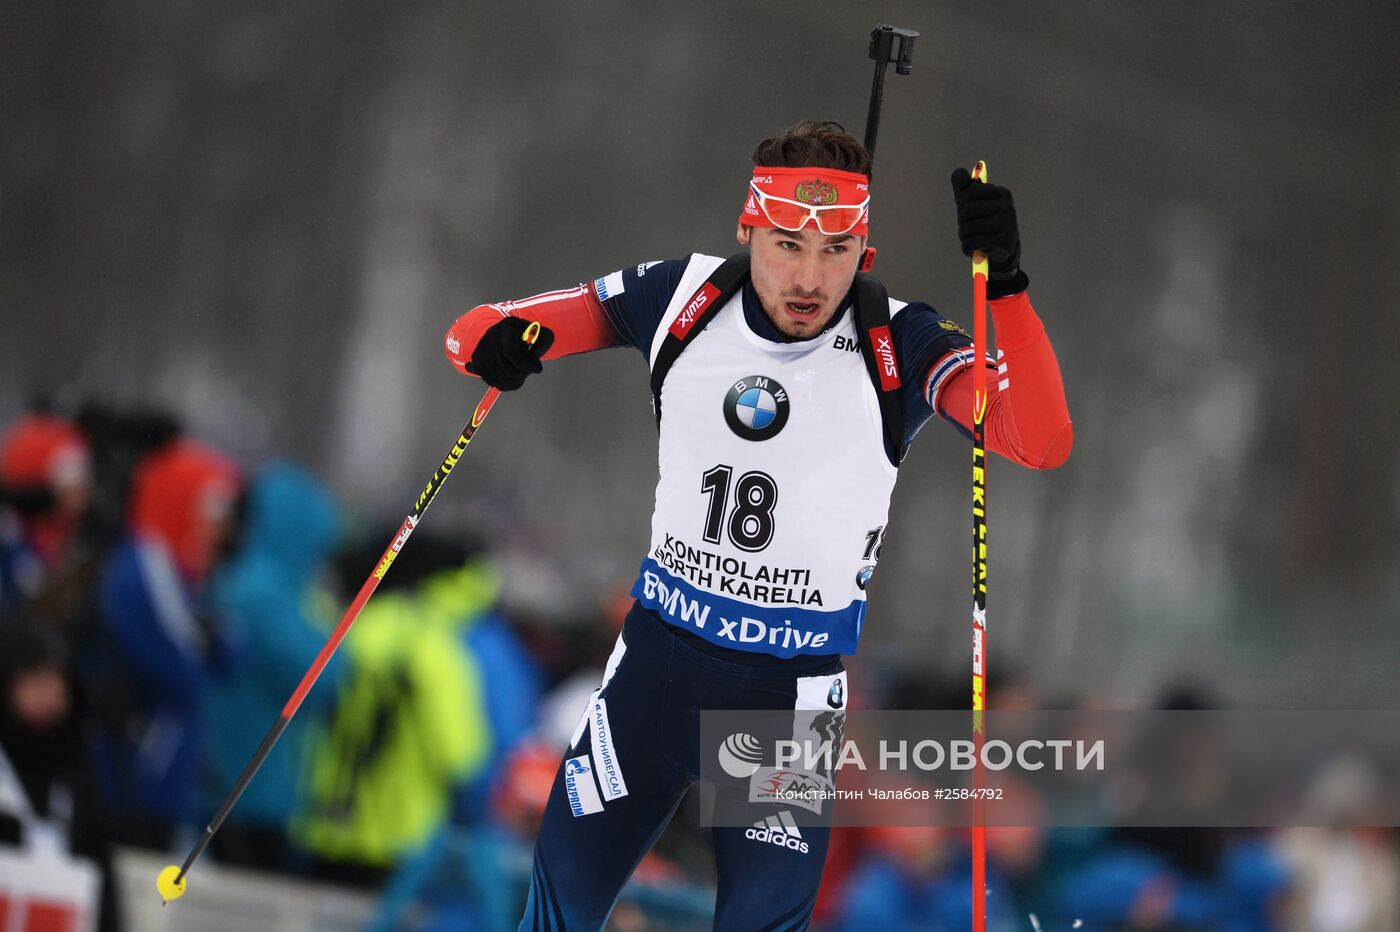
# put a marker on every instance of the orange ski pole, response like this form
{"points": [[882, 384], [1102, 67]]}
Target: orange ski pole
{"points": [[171, 881]]}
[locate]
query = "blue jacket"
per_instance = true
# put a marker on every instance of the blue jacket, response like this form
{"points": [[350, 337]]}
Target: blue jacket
{"points": [[155, 655], [881, 894], [513, 686], [1240, 897], [264, 599], [21, 568]]}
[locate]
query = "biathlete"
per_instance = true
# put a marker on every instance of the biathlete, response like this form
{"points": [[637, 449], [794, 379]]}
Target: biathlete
{"points": [[787, 389]]}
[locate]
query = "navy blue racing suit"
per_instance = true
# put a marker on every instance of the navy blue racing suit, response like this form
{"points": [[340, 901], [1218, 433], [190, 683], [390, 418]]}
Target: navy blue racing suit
{"points": [[659, 680]]}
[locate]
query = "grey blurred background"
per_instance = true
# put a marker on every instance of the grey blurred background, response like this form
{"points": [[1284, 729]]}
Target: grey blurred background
{"points": [[264, 215]]}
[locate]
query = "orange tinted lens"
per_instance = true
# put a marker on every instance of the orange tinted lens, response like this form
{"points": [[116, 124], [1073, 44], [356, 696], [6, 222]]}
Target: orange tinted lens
{"points": [[836, 220], [784, 215]]}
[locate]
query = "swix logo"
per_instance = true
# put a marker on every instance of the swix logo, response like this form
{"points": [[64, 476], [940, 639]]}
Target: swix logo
{"points": [[884, 356], [762, 179], [691, 311]]}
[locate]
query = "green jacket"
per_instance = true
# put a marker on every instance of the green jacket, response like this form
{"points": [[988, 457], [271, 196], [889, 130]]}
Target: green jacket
{"points": [[409, 727]]}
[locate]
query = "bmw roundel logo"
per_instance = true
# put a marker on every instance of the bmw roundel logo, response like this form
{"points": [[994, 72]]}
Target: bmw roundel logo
{"points": [[756, 407]]}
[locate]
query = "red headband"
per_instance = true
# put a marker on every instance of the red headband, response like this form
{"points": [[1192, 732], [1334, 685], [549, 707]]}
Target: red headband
{"points": [[819, 187]]}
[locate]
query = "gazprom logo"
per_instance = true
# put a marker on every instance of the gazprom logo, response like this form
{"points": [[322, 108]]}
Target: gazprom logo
{"points": [[579, 788]]}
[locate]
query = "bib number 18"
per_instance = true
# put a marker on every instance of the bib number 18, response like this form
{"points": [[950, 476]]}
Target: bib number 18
{"points": [[751, 520]]}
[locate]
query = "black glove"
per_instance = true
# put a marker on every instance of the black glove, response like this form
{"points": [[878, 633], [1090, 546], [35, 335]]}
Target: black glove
{"points": [[987, 221], [502, 357]]}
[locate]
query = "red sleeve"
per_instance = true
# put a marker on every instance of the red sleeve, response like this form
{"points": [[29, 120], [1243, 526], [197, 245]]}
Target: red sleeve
{"points": [[1027, 418], [575, 315]]}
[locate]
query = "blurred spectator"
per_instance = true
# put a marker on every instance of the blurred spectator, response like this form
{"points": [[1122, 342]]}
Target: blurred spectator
{"points": [[520, 797], [48, 799], [477, 880], [157, 647], [1348, 879], [45, 487], [846, 851], [120, 439], [1134, 886], [459, 583], [591, 641], [410, 727], [1169, 878], [919, 878], [463, 595], [263, 600]]}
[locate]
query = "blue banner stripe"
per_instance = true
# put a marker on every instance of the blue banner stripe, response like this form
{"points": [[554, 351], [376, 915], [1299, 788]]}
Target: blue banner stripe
{"points": [[783, 631]]}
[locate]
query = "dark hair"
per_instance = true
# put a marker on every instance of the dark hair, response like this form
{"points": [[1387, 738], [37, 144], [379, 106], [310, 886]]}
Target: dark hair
{"points": [[818, 144]]}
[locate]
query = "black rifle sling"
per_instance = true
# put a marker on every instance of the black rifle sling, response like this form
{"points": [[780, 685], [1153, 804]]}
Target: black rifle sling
{"points": [[723, 283], [877, 346], [872, 312]]}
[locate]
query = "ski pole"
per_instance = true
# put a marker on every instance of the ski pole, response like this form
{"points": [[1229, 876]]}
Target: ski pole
{"points": [[979, 571], [171, 881]]}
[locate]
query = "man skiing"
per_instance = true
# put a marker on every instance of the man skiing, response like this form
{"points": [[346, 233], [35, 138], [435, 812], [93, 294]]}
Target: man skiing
{"points": [[787, 390]]}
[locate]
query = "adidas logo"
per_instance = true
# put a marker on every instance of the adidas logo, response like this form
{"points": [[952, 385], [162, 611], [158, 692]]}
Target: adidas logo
{"points": [[778, 830]]}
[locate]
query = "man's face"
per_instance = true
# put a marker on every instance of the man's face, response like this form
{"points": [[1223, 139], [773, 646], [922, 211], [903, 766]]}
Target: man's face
{"points": [[801, 277]]}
